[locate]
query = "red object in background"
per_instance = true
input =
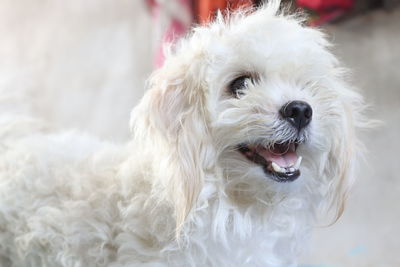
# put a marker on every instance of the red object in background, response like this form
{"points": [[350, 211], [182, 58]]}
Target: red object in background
{"points": [[326, 9], [206, 9]]}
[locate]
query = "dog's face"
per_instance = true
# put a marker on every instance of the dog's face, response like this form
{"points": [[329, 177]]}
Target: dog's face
{"points": [[258, 97], [272, 98]]}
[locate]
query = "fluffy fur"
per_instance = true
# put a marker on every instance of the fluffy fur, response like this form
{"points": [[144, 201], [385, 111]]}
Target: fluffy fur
{"points": [[180, 193]]}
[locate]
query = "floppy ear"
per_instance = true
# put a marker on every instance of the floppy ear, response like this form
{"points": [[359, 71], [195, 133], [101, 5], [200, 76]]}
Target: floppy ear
{"points": [[345, 150], [170, 126]]}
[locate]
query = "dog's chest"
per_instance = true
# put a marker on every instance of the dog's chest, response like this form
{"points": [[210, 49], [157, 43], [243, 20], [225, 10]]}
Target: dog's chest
{"points": [[247, 242]]}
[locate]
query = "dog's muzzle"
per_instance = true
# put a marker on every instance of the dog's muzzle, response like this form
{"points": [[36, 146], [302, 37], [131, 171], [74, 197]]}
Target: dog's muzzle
{"points": [[280, 160]]}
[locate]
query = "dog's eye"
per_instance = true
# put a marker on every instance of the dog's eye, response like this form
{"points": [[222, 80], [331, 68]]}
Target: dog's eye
{"points": [[237, 85]]}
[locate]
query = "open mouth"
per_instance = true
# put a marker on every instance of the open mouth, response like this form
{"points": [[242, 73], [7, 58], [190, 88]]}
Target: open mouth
{"points": [[279, 161]]}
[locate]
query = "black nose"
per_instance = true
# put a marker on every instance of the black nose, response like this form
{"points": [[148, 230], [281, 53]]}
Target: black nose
{"points": [[298, 113]]}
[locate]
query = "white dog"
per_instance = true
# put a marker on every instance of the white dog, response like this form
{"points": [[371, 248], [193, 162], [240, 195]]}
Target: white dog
{"points": [[244, 135]]}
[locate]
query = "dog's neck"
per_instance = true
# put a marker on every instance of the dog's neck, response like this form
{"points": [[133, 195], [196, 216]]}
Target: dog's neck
{"points": [[227, 214]]}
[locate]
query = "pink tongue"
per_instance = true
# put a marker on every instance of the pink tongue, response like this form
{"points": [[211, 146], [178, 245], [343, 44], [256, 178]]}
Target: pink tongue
{"points": [[287, 159]]}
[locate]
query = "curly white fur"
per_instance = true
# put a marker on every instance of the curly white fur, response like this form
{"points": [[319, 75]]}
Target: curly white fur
{"points": [[180, 194]]}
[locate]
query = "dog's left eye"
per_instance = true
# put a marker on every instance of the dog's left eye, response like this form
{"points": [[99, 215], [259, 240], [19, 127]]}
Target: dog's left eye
{"points": [[237, 85]]}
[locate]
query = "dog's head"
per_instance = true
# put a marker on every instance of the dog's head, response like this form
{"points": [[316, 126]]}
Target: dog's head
{"points": [[255, 100]]}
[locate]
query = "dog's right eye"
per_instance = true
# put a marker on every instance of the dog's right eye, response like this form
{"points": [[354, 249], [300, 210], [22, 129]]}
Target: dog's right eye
{"points": [[237, 85]]}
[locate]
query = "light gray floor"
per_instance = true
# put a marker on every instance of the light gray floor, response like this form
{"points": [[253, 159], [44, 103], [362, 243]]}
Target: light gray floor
{"points": [[368, 234]]}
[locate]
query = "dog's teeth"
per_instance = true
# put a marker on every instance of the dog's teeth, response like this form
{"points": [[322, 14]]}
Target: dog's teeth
{"points": [[297, 164], [276, 167]]}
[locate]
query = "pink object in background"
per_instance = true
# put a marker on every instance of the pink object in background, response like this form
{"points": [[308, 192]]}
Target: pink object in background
{"points": [[327, 9], [325, 5], [171, 20]]}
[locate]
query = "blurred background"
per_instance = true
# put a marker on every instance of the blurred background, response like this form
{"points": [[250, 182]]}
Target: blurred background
{"points": [[83, 65]]}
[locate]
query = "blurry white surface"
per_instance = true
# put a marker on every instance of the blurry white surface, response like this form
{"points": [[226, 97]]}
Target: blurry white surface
{"points": [[82, 63]]}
